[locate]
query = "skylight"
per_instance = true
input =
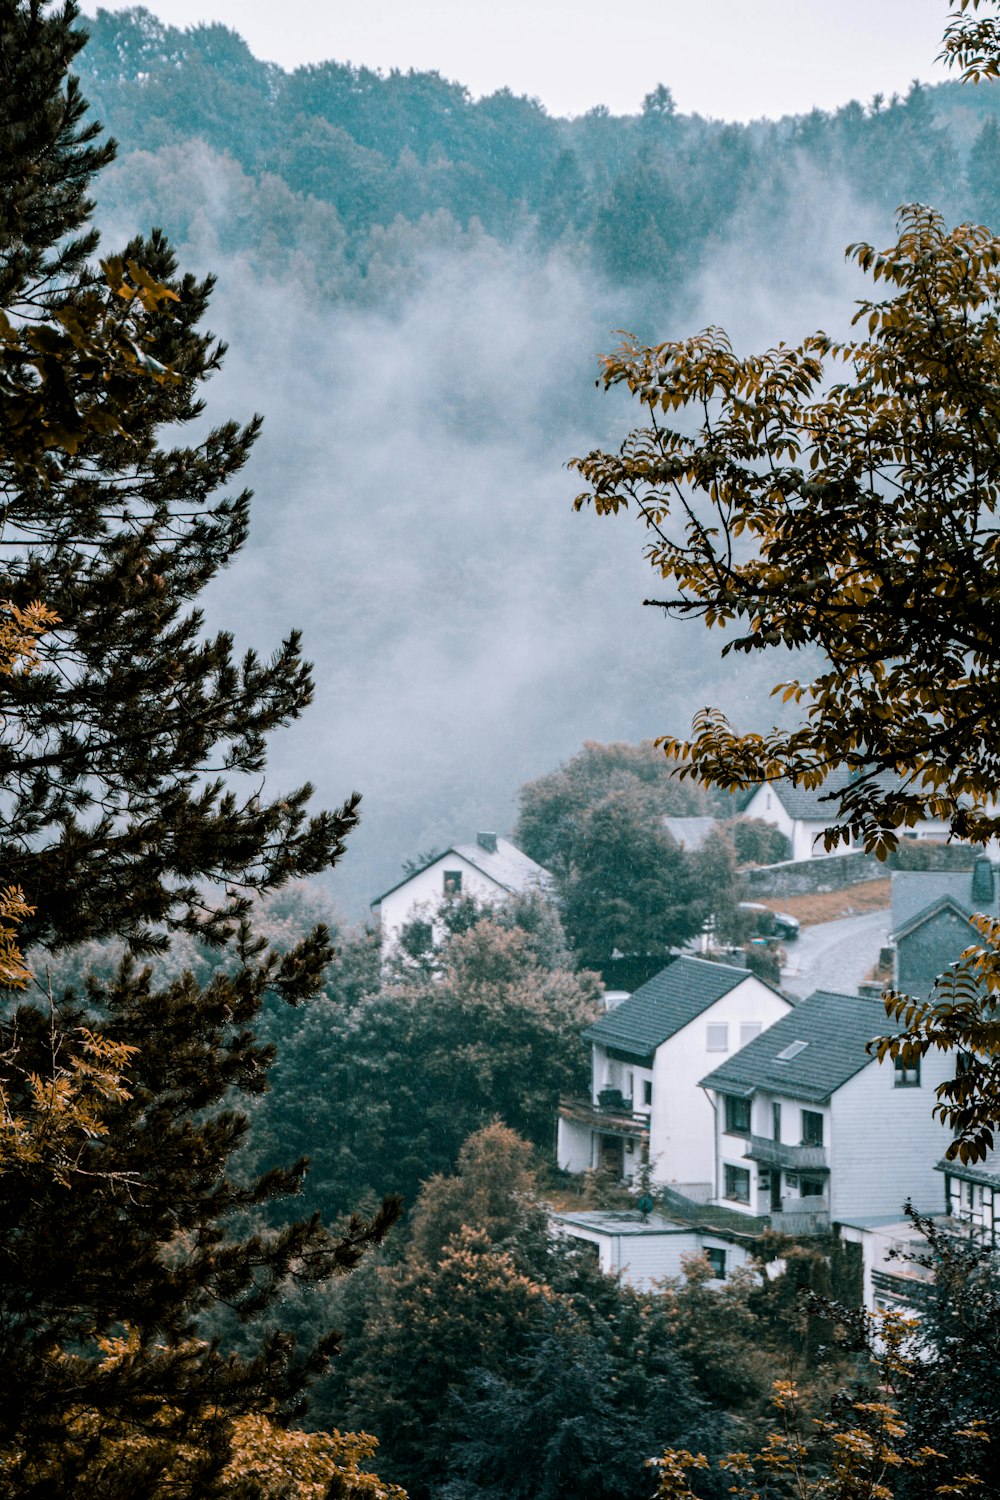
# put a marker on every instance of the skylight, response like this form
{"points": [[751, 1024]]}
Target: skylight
{"points": [[792, 1050]]}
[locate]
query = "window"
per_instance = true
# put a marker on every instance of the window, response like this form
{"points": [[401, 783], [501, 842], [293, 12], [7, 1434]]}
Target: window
{"points": [[737, 1184], [792, 1050], [737, 1116], [776, 1122], [748, 1030], [907, 1073], [647, 1091], [812, 1128], [452, 882], [717, 1038], [717, 1260], [810, 1187]]}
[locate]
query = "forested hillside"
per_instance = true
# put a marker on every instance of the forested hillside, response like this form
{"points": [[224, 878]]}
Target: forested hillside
{"points": [[416, 286], [329, 158]]}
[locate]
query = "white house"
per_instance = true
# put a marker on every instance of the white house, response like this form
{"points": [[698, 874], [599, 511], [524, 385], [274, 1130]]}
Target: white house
{"points": [[645, 1249], [813, 1131], [489, 870], [803, 815], [649, 1055]]}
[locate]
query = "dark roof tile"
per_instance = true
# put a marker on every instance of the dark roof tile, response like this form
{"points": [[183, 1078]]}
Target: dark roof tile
{"points": [[664, 1004], [837, 1029]]}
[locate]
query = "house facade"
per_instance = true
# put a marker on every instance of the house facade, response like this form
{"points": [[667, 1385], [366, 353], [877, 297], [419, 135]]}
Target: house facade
{"points": [[648, 1056], [490, 869], [646, 1249], [931, 912], [812, 1131], [972, 1194]]}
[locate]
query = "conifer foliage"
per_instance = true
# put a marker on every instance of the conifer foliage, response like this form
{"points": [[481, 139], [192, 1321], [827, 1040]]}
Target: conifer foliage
{"points": [[116, 820]]}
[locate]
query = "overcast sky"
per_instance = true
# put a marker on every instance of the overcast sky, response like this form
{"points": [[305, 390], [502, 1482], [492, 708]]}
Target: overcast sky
{"points": [[729, 59]]}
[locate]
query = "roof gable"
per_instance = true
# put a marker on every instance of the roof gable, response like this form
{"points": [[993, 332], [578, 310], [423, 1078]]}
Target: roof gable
{"points": [[836, 1030], [510, 869], [665, 1004], [946, 903]]}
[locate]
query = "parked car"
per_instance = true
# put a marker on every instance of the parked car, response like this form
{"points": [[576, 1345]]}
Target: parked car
{"points": [[766, 924]]}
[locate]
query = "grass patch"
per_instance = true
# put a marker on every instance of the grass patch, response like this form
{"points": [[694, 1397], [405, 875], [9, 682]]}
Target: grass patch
{"points": [[827, 906]]}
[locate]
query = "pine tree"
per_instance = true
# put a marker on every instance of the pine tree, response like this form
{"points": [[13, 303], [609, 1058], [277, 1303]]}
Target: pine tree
{"points": [[116, 820]]}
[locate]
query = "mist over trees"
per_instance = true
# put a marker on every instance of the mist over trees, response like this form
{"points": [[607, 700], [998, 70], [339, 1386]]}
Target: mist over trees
{"points": [[345, 156], [455, 272]]}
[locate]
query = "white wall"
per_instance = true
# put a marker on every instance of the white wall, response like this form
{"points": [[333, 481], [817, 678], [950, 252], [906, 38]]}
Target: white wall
{"points": [[766, 805], [804, 834], [885, 1142], [644, 1259], [682, 1122], [425, 892], [574, 1146]]}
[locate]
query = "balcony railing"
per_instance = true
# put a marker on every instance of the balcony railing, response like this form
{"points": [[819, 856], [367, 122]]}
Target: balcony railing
{"points": [[768, 1153], [909, 1290], [610, 1119], [795, 1221]]}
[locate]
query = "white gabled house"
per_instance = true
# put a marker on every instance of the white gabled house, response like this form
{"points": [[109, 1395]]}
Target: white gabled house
{"points": [[812, 1131], [649, 1055], [490, 869], [803, 814]]}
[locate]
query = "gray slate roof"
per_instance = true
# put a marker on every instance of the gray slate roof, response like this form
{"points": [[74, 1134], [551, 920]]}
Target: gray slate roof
{"points": [[506, 864], [665, 1004], [817, 804], [812, 804], [837, 1029], [986, 1172], [915, 892]]}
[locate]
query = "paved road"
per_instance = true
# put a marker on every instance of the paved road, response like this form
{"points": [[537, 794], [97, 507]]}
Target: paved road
{"points": [[835, 955]]}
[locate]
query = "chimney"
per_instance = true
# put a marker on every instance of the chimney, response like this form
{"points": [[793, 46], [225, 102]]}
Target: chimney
{"points": [[487, 841], [982, 884]]}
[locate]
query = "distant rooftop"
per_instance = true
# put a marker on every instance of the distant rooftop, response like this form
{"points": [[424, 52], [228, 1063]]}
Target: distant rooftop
{"points": [[821, 804], [627, 1221], [917, 891], [986, 1172], [689, 832]]}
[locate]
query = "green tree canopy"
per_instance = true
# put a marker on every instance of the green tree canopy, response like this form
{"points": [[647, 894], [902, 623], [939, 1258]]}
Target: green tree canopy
{"points": [[490, 1029]]}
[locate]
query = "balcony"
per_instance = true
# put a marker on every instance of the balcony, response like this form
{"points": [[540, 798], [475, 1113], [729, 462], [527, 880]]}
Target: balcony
{"points": [[768, 1153], [814, 1219], [613, 1117], [906, 1289]]}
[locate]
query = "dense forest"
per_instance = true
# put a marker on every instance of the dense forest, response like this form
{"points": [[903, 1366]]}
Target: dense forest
{"points": [[359, 171]]}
